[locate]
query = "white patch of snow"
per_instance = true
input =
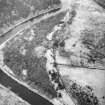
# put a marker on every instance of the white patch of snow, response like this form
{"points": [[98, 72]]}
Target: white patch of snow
{"points": [[50, 35], [61, 60], [39, 51], [23, 50], [66, 99], [1, 57], [24, 72], [67, 3]]}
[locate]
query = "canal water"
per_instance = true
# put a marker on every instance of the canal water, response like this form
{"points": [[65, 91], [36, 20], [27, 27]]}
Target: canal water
{"points": [[22, 91]]}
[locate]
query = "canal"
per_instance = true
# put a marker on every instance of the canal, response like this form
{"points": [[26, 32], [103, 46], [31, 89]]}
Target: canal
{"points": [[22, 91]]}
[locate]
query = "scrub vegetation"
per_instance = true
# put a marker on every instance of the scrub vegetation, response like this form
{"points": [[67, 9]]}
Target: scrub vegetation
{"points": [[37, 76], [84, 95]]}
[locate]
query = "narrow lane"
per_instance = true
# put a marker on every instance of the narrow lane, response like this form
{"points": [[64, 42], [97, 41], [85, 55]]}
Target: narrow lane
{"points": [[26, 24]]}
